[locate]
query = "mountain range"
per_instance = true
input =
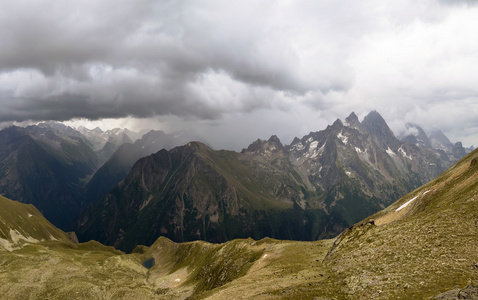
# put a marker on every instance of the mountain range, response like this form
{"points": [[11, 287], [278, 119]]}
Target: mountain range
{"points": [[311, 189], [52, 165], [423, 246], [42, 166]]}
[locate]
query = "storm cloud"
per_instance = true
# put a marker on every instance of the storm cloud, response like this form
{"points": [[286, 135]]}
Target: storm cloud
{"points": [[247, 68]]}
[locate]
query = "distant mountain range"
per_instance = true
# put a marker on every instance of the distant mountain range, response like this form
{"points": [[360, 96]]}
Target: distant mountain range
{"points": [[45, 167], [313, 188], [52, 165]]}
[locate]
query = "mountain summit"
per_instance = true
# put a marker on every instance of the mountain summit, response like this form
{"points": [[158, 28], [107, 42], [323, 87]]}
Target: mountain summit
{"points": [[376, 126]]}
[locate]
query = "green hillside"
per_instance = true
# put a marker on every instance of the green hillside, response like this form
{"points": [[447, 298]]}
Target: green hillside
{"points": [[422, 245], [23, 223]]}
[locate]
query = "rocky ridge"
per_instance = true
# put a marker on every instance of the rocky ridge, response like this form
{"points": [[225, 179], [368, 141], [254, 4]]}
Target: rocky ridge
{"points": [[313, 188]]}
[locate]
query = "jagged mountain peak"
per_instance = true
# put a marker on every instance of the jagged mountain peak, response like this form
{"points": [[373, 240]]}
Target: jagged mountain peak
{"points": [[374, 115], [153, 133], [337, 124], [262, 146], [374, 120], [295, 141], [376, 126], [352, 120], [254, 146], [438, 134], [275, 140], [458, 151], [416, 135], [352, 117], [14, 128], [121, 136], [440, 141]]}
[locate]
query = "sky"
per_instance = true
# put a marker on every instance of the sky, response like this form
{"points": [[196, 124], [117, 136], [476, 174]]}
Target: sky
{"points": [[235, 71]]}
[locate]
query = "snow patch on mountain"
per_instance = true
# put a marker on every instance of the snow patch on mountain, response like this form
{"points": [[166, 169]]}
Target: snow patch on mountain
{"points": [[313, 145], [406, 203], [410, 201], [145, 203], [404, 154], [343, 138], [15, 237], [390, 152], [313, 151]]}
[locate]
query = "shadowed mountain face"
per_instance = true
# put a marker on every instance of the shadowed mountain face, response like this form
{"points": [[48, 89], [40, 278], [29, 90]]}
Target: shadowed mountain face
{"points": [[46, 167], [120, 162], [58, 169], [313, 188]]}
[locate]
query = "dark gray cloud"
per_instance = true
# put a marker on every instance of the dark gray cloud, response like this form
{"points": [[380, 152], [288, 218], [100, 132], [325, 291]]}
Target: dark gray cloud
{"points": [[233, 64]]}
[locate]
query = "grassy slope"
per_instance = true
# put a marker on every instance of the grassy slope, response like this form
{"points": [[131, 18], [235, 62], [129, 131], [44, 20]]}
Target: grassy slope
{"points": [[426, 248], [62, 270], [22, 222], [199, 270]]}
